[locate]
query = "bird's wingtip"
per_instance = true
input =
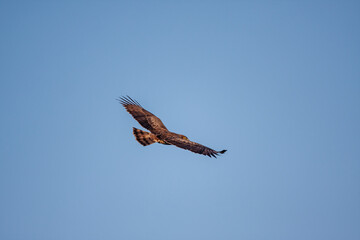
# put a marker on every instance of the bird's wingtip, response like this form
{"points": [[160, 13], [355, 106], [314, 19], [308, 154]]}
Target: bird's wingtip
{"points": [[223, 151], [126, 100]]}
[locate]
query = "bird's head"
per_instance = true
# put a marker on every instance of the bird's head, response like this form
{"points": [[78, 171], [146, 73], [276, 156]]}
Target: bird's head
{"points": [[184, 137]]}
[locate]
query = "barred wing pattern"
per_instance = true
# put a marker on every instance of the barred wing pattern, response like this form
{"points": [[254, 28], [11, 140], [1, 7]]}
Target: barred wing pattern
{"points": [[193, 147], [145, 118], [159, 133]]}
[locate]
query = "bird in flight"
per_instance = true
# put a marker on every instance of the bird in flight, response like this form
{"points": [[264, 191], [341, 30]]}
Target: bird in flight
{"points": [[158, 132]]}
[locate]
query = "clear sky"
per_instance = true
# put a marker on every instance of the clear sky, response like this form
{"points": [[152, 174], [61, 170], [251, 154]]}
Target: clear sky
{"points": [[277, 83]]}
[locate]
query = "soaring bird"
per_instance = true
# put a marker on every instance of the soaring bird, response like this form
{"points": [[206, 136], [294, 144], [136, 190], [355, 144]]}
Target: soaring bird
{"points": [[158, 132]]}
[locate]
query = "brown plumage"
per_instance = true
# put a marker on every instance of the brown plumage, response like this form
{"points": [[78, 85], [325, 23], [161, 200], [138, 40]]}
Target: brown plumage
{"points": [[158, 132], [144, 138]]}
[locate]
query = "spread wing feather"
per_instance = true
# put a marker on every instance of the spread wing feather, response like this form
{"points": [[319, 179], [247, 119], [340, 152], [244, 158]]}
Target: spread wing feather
{"points": [[193, 146], [144, 117]]}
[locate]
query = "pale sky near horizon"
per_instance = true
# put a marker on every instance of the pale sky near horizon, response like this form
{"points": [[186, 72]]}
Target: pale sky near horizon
{"points": [[276, 83]]}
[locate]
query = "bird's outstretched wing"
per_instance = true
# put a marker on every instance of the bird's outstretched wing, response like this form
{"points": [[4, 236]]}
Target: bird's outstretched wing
{"points": [[145, 118], [193, 146]]}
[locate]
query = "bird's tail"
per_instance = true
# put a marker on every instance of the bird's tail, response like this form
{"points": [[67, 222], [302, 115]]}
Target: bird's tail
{"points": [[144, 138]]}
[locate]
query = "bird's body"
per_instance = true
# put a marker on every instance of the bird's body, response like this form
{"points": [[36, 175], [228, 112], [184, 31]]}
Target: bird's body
{"points": [[158, 132]]}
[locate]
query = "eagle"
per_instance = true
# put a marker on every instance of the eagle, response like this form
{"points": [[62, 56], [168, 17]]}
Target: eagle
{"points": [[158, 132]]}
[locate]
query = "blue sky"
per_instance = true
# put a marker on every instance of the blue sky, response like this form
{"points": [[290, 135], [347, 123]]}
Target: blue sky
{"points": [[274, 82]]}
